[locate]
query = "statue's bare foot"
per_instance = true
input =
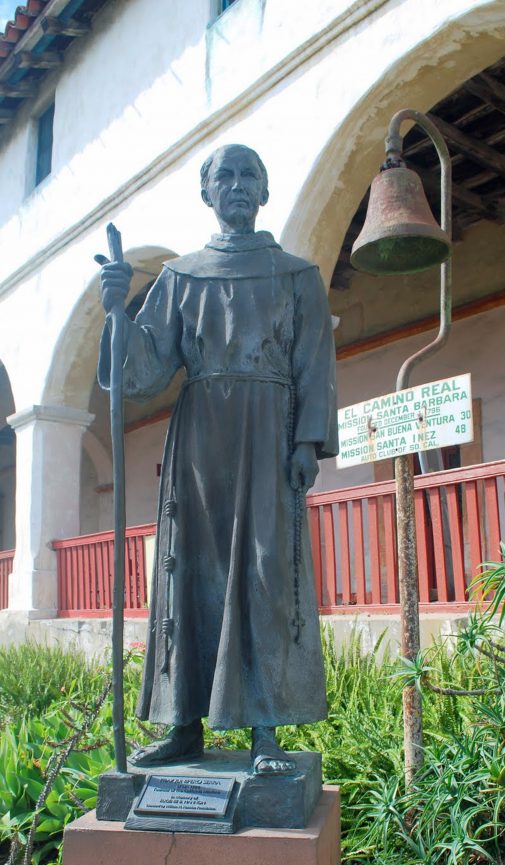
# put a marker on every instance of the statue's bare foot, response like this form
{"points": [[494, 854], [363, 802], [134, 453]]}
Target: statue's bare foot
{"points": [[182, 743], [268, 758]]}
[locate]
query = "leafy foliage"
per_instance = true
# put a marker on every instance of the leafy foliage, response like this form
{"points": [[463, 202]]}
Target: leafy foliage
{"points": [[33, 678], [453, 814], [25, 752], [490, 585], [50, 762]]}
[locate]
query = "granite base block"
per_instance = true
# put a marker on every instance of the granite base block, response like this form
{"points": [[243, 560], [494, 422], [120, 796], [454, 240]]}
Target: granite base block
{"points": [[279, 801], [116, 792], [109, 843]]}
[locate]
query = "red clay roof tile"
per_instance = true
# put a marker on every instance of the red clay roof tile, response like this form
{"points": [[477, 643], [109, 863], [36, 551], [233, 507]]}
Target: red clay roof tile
{"points": [[24, 16]]}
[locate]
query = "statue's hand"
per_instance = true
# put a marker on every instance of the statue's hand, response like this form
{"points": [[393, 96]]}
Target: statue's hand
{"points": [[115, 279], [304, 468]]}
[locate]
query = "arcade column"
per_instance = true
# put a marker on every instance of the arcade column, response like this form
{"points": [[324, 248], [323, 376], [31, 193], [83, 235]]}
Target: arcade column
{"points": [[47, 500]]}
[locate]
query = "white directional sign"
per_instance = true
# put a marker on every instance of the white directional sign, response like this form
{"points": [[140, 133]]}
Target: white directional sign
{"points": [[420, 418]]}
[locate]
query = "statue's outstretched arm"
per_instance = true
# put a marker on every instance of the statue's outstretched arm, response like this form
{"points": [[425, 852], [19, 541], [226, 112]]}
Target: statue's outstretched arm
{"points": [[152, 341]]}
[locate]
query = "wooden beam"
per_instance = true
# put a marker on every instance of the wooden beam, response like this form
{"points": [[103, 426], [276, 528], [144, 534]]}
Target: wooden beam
{"points": [[479, 179], [464, 197], [488, 89], [458, 224], [471, 147], [161, 414], [30, 38], [463, 220], [425, 143], [29, 60], [493, 139], [493, 84], [21, 90], [497, 202], [496, 137], [56, 27]]}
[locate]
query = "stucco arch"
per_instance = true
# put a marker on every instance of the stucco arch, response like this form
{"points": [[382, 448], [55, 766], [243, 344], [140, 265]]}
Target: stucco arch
{"points": [[344, 168], [73, 365]]}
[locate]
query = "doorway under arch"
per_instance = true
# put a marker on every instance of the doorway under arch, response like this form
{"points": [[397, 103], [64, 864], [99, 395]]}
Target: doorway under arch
{"points": [[385, 319], [7, 465]]}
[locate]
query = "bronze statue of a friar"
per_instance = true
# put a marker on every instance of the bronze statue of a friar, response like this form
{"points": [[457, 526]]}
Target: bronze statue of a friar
{"points": [[233, 631]]}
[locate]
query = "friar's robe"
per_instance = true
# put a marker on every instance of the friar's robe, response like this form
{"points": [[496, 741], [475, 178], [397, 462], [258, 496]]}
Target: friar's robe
{"points": [[252, 328]]}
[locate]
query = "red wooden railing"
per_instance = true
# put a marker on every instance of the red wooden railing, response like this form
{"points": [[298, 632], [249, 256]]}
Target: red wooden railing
{"points": [[6, 561], [460, 518], [86, 572]]}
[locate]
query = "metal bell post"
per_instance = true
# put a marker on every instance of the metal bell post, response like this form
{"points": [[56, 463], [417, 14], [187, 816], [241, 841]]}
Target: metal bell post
{"points": [[401, 236]]}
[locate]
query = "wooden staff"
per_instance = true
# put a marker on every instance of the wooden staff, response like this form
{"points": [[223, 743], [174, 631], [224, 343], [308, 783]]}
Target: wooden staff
{"points": [[118, 469]]}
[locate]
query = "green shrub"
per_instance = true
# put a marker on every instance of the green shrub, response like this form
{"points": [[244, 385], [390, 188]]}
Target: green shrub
{"points": [[454, 813], [33, 678], [25, 750], [74, 700]]}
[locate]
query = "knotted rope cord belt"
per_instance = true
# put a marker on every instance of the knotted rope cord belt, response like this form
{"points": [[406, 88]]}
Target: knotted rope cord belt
{"points": [[170, 505]]}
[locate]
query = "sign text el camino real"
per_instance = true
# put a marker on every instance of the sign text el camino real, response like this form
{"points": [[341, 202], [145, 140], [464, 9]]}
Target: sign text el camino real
{"points": [[428, 416]]}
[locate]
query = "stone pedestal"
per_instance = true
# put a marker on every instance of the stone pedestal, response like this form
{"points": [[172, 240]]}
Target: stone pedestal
{"points": [[278, 801], [88, 840]]}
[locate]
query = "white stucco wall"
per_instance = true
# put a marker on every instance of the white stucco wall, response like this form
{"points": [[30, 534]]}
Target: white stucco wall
{"points": [[143, 451], [110, 125], [139, 104], [90, 502], [195, 87], [295, 119]]}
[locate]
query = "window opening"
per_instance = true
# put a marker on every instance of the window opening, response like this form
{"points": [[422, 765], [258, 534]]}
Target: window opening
{"points": [[44, 144]]}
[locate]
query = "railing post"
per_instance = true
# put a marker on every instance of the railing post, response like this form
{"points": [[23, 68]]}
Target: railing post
{"points": [[86, 573], [6, 563]]}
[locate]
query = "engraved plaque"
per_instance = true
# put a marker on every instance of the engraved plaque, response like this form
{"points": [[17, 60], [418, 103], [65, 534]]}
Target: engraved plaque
{"points": [[165, 794]]}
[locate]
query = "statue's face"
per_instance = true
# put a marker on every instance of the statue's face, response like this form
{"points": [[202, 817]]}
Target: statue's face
{"points": [[235, 188]]}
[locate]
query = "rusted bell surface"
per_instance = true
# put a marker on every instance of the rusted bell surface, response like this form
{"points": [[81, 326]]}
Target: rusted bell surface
{"points": [[400, 234]]}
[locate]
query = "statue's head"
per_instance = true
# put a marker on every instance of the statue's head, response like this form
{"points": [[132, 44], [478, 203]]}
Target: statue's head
{"points": [[235, 183]]}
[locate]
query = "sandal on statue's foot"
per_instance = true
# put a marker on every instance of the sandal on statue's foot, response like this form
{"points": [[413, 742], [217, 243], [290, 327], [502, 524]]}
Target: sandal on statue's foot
{"points": [[268, 758], [182, 743]]}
